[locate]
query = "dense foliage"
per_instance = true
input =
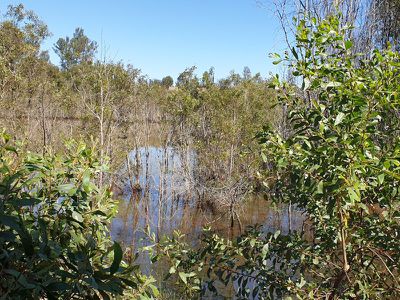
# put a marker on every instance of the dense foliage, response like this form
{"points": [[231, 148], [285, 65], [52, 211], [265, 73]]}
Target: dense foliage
{"points": [[340, 166], [122, 109], [219, 120], [331, 151], [54, 241]]}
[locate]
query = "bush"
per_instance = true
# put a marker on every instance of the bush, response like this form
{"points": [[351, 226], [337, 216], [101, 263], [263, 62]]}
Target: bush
{"points": [[54, 242], [339, 165]]}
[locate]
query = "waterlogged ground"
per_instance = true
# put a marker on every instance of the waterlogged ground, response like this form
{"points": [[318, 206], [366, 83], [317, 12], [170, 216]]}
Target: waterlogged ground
{"points": [[160, 195]]}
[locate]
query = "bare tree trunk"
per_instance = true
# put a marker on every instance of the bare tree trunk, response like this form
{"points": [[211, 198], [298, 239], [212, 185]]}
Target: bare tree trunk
{"points": [[101, 125], [43, 120]]}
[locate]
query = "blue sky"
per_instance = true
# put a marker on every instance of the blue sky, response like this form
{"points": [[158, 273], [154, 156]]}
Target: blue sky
{"points": [[164, 37]]}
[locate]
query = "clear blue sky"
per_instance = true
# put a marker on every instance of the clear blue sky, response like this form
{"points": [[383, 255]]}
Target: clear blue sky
{"points": [[164, 37]]}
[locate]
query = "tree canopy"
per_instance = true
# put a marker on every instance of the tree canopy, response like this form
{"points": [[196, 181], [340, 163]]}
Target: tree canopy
{"points": [[76, 50]]}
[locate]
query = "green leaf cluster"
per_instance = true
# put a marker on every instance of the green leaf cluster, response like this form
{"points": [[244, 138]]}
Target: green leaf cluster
{"points": [[338, 163], [54, 241]]}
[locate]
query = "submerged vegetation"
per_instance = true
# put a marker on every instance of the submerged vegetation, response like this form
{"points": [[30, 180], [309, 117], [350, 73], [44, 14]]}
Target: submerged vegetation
{"points": [[324, 143]]}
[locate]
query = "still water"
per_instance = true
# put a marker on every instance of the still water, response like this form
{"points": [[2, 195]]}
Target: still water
{"points": [[160, 192]]}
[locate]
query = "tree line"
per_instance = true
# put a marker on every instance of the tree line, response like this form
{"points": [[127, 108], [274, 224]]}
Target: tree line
{"points": [[323, 141]]}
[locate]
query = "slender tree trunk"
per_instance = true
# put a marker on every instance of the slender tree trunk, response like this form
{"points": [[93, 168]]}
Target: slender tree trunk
{"points": [[43, 120], [101, 123]]}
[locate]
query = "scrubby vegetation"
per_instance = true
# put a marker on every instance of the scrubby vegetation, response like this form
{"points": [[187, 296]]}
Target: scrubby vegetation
{"points": [[54, 238], [339, 165], [323, 141]]}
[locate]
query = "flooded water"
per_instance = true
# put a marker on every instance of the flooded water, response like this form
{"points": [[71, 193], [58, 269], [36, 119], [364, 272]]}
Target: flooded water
{"points": [[160, 192]]}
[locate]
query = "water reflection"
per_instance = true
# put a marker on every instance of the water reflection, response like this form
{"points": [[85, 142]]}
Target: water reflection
{"points": [[160, 193]]}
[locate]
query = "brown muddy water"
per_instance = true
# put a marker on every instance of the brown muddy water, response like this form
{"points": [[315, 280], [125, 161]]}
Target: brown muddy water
{"points": [[160, 192]]}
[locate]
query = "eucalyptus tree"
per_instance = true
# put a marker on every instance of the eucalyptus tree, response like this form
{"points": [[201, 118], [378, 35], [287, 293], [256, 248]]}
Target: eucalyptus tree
{"points": [[76, 50], [21, 34], [26, 75], [167, 81]]}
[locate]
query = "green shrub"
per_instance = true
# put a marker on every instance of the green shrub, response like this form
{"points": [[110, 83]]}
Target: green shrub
{"points": [[54, 241], [339, 165]]}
